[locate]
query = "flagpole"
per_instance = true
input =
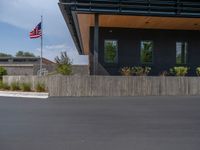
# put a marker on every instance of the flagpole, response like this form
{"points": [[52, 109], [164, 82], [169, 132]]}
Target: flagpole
{"points": [[41, 46]]}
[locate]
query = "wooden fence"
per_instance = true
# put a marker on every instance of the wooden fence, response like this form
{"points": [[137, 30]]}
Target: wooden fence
{"points": [[113, 85]]}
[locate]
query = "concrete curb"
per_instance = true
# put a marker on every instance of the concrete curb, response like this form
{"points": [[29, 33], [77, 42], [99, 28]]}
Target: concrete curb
{"points": [[24, 94]]}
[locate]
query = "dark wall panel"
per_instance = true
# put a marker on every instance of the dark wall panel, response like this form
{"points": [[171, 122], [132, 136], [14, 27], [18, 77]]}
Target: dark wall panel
{"points": [[164, 55]]}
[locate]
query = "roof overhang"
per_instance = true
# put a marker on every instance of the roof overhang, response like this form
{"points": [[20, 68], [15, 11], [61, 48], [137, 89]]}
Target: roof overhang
{"points": [[71, 23], [16, 65], [171, 15]]}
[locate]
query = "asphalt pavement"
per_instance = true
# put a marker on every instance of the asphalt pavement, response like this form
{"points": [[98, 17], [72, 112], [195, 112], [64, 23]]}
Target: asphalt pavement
{"points": [[100, 123]]}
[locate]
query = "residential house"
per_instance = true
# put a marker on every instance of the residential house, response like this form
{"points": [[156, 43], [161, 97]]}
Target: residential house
{"points": [[25, 65]]}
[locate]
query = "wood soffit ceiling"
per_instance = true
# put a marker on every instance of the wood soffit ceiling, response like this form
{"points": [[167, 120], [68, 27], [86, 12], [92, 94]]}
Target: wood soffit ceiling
{"points": [[142, 22]]}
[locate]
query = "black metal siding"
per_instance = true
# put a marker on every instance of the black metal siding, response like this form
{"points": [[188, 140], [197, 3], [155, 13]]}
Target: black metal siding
{"points": [[164, 48], [186, 8]]}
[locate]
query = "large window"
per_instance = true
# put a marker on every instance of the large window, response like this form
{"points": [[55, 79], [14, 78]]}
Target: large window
{"points": [[146, 52], [181, 52], [110, 51]]}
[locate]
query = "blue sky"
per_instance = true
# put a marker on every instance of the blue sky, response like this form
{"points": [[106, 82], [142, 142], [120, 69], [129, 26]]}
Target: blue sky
{"points": [[19, 17]]}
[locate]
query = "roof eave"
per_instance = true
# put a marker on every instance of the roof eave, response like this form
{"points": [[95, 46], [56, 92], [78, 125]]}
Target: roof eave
{"points": [[69, 20]]}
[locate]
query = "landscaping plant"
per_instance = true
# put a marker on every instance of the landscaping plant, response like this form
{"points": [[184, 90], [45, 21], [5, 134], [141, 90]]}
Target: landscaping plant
{"points": [[3, 72], [4, 86], [25, 87], [198, 71], [164, 73], [63, 64], [40, 87], [141, 71], [126, 71], [110, 52], [179, 71], [146, 52], [1, 84], [14, 86]]}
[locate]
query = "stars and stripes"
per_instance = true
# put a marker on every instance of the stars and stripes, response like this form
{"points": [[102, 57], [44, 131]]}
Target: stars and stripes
{"points": [[36, 32]]}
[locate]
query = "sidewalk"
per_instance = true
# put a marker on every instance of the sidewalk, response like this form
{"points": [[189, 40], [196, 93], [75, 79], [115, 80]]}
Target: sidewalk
{"points": [[24, 94]]}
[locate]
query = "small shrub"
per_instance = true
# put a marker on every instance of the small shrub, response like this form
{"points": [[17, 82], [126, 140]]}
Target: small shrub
{"points": [[126, 71], [63, 64], [14, 86], [4, 86], [1, 84], [179, 71], [141, 71], [3, 72], [64, 69], [40, 87], [198, 71], [164, 73], [25, 87]]}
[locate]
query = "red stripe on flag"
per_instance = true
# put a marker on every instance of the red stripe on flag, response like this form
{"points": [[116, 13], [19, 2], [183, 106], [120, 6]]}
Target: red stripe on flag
{"points": [[36, 32]]}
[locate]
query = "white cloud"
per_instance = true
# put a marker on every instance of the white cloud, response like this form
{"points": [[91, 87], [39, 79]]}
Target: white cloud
{"points": [[26, 14], [51, 51]]}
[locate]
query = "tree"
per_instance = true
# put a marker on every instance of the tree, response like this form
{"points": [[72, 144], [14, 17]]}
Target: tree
{"points": [[19, 53], [146, 53], [64, 64], [110, 52], [24, 54], [3, 72], [5, 55]]}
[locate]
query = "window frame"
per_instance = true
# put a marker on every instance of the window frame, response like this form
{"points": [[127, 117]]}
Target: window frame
{"points": [[186, 53], [117, 52], [146, 63]]}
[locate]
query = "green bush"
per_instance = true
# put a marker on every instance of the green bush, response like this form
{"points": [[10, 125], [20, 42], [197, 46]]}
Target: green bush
{"points": [[164, 73], [40, 87], [63, 64], [198, 71], [4, 86], [179, 71], [141, 71], [1, 85], [126, 71], [3, 72], [110, 52], [64, 69], [25, 87], [14, 86]]}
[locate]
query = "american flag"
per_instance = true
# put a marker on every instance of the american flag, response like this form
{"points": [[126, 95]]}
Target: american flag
{"points": [[36, 32]]}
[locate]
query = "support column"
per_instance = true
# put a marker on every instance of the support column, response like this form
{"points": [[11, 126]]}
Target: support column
{"points": [[96, 44]]}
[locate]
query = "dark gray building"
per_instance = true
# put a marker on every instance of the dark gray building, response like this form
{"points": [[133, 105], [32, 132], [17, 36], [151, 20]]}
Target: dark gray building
{"points": [[119, 33], [25, 65]]}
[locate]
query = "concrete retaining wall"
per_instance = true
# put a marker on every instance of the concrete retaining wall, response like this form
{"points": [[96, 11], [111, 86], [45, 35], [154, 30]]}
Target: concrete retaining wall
{"points": [[80, 70], [26, 69], [113, 85]]}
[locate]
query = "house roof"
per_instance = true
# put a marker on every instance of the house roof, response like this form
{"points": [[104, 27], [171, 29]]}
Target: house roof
{"points": [[78, 15], [25, 59]]}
